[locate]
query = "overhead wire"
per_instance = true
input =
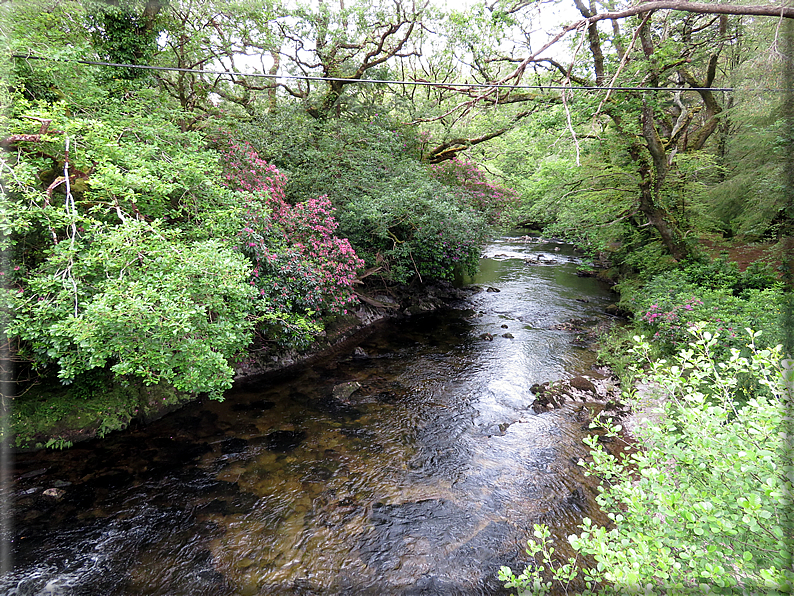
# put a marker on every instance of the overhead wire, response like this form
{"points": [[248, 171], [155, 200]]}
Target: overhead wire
{"points": [[383, 81]]}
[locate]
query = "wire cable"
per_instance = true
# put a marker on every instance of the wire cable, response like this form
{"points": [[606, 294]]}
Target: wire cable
{"points": [[381, 81]]}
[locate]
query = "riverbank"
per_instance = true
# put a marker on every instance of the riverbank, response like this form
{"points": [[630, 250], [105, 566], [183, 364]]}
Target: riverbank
{"points": [[375, 306], [51, 415]]}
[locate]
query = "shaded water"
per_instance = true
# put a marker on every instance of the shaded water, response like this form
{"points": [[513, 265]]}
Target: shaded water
{"points": [[425, 480]]}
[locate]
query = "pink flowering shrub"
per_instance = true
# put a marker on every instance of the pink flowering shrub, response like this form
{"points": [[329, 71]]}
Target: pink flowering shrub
{"points": [[300, 265], [672, 321], [402, 221], [474, 188], [672, 304]]}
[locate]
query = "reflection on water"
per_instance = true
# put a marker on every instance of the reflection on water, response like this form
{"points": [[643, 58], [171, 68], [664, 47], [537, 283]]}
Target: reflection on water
{"points": [[423, 481]]}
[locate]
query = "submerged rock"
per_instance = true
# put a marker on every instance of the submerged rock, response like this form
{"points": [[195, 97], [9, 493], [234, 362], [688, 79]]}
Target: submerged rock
{"points": [[336, 407], [344, 390], [233, 445], [283, 441], [259, 405]]}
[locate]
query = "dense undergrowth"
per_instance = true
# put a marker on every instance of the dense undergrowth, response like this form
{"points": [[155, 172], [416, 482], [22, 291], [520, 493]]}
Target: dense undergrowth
{"points": [[705, 505], [711, 291]]}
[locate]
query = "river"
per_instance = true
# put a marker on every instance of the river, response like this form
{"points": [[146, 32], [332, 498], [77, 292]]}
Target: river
{"points": [[425, 480]]}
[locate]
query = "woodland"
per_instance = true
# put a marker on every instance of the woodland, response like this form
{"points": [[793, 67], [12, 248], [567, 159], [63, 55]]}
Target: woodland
{"points": [[185, 179]]}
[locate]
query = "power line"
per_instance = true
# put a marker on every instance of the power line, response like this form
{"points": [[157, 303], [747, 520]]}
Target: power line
{"points": [[381, 81]]}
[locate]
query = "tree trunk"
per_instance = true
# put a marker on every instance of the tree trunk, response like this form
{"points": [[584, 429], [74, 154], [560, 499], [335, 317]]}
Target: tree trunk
{"points": [[660, 219], [652, 175]]}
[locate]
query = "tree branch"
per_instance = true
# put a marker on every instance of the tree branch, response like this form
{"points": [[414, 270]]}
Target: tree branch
{"points": [[699, 8], [451, 148]]}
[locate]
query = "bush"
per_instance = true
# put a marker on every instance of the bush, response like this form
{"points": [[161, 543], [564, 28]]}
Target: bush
{"points": [[300, 266], [471, 185], [716, 294], [416, 231], [706, 505], [402, 218], [142, 300]]}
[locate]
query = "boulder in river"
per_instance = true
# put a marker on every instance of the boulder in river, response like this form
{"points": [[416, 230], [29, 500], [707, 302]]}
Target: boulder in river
{"points": [[55, 493], [582, 384], [343, 391]]}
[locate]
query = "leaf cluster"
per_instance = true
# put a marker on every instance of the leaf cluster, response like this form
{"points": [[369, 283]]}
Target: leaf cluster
{"points": [[706, 505], [143, 300]]}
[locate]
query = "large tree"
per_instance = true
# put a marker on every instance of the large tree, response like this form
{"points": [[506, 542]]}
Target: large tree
{"points": [[319, 48], [666, 59]]}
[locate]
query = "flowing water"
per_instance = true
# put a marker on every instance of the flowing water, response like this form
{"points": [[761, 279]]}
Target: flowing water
{"points": [[425, 480]]}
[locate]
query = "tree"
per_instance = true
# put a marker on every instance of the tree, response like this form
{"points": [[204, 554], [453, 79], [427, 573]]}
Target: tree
{"points": [[125, 32], [682, 51]]}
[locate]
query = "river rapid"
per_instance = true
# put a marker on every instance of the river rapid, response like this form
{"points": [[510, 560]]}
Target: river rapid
{"points": [[412, 464]]}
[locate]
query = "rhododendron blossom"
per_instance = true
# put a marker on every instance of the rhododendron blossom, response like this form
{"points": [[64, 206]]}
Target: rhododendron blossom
{"points": [[299, 264]]}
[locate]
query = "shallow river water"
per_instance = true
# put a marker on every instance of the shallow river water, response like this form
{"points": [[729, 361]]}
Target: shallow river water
{"points": [[425, 480]]}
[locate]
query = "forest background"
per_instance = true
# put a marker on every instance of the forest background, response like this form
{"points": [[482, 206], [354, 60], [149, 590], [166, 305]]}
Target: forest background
{"points": [[160, 221]]}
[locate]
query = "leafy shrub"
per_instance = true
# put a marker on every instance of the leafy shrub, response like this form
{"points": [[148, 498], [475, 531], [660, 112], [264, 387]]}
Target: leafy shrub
{"points": [[338, 157], [416, 231], [398, 216], [715, 274], [142, 300], [127, 160], [723, 313], [473, 188], [706, 505], [723, 274], [714, 292]]}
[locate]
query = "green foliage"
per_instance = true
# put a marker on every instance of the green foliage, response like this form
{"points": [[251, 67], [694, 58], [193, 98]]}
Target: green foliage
{"points": [[706, 505], [640, 253], [588, 203], [715, 293], [54, 416], [341, 158], [395, 214], [142, 300], [475, 189], [53, 30], [127, 159], [533, 579], [750, 197], [720, 273], [124, 32], [418, 229]]}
